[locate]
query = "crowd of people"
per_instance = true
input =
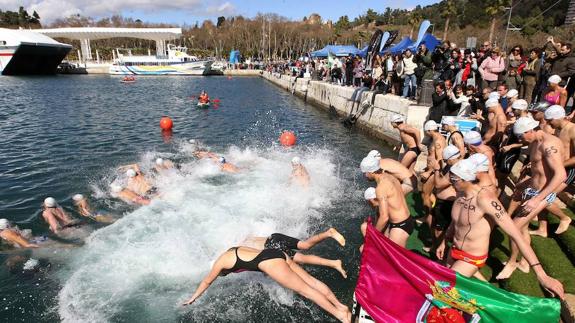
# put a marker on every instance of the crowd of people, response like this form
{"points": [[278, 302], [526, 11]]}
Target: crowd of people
{"points": [[460, 75]]}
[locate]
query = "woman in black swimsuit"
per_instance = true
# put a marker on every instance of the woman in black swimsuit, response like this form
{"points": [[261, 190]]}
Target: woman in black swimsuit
{"points": [[278, 266]]}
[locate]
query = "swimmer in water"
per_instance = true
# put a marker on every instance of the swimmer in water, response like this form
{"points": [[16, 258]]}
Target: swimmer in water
{"points": [[164, 165], [299, 174], [279, 267], [127, 195], [55, 216], [137, 183], [290, 246], [84, 209], [225, 166], [14, 236]]}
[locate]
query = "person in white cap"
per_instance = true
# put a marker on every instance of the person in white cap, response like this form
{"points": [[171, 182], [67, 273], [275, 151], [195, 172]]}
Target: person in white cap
{"points": [[555, 94], [128, 196], [163, 165], [497, 124], [371, 199], [455, 137], [55, 216], [445, 194], [485, 172], [84, 209], [438, 142], [225, 166], [406, 177], [519, 108], [511, 96], [474, 212], [14, 236], [547, 173], [410, 139], [137, 182], [475, 144], [299, 174], [393, 218]]}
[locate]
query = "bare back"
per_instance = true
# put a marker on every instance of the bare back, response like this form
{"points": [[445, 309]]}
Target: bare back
{"points": [[395, 168], [540, 152], [390, 188]]}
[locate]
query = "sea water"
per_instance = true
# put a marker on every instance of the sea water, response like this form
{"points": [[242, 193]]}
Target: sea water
{"points": [[69, 134]]}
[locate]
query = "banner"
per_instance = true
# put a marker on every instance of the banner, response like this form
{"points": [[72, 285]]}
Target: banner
{"points": [[398, 285]]}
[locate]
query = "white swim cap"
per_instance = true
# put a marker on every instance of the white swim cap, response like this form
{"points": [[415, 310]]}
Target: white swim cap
{"points": [[295, 161], [397, 118], [494, 95], [374, 154], [430, 125], [450, 121], [450, 152], [520, 105], [369, 165], [159, 161], [524, 124], [556, 79], [492, 103], [554, 112], [192, 141], [50, 202], [369, 193], [222, 160], [472, 138], [465, 169], [481, 161], [78, 197], [131, 173], [4, 224], [512, 93], [115, 188]]}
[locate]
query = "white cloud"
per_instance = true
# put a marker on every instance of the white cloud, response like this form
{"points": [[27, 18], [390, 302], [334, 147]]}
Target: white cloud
{"points": [[49, 10]]}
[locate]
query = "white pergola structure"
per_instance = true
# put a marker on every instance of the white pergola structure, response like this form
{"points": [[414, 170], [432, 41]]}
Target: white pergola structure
{"points": [[86, 34]]}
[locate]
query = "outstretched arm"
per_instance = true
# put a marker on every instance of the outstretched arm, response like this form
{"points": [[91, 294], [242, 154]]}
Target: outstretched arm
{"points": [[207, 281], [14, 237], [383, 215], [494, 209]]}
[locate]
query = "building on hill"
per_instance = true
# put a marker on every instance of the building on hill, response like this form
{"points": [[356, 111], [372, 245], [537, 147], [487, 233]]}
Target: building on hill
{"points": [[313, 19]]}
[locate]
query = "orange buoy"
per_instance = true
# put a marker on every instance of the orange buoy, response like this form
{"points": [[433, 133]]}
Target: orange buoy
{"points": [[288, 138], [166, 123]]}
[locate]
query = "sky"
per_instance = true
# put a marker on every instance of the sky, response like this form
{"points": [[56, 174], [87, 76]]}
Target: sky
{"points": [[189, 11]]}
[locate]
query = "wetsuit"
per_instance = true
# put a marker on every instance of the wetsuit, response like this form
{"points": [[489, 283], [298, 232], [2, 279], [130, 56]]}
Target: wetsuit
{"points": [[408, 225], [252, 265], [283, 243]]}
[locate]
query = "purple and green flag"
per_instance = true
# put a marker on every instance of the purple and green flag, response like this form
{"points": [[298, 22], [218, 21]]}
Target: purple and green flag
{"points": [[398, 285]]}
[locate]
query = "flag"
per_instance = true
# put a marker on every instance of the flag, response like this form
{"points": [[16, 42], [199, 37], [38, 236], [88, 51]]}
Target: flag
{"points": [[398, 285]]}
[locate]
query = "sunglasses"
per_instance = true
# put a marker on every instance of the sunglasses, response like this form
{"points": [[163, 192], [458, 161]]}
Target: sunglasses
{"points": [[454, 179]]}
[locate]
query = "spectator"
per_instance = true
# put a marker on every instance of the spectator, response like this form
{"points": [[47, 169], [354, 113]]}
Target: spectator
{"points": [[515, 64], [453, 66], [410, 80], [459, 102], [492, 68], [531, 74], [564, 66], [424, 64], [397, 73], [439, 99], [349, 71], [555, 94], [440, 57], [358, 72], [502, 90]]}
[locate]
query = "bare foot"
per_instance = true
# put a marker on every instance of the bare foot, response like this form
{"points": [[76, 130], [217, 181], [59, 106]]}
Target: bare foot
{"points": [[539, 233], [563, 226], [338, 266], [345, 316], [337, 236], [523, 265], [507, 270]]}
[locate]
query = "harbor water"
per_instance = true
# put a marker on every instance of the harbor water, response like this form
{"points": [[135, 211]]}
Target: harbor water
{"points": [[69, 134]]}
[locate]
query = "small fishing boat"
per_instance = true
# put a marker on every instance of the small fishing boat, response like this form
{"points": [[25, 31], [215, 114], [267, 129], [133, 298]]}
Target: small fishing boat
{"points": [[128, 79]]}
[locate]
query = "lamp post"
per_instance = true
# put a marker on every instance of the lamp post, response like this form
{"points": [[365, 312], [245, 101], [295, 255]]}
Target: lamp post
{"points": [[507, 28]]}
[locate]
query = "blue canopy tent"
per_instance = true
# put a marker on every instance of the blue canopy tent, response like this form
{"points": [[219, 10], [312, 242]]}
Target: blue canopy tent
{"points": [[337, 50], [234, 56], [399, 47], [429, 40], [363, 52]]}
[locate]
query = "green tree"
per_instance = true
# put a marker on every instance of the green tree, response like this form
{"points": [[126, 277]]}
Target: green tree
{"points": [[494, 9], [448, 10], [370, 16], [342, 24], [414, 19]]}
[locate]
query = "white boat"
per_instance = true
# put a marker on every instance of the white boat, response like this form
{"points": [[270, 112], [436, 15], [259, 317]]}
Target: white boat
{"points": [[178, 62], [25, 52]]}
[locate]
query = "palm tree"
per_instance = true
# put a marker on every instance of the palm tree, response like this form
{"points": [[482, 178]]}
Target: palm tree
{"points": [[414, 19], [447, 11], [494, 9]]}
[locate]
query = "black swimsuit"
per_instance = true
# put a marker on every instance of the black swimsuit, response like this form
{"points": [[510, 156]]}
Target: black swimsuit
{"points": [[252, 265], [415, 149], [282, 242], [407, 225]]}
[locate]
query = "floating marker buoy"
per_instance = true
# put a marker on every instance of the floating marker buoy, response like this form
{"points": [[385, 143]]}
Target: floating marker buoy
{"points": [[166, 123], [287, 139]]}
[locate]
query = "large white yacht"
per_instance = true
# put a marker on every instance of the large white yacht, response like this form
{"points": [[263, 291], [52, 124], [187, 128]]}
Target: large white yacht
{"points": [[25, 52], [177, 62]]}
